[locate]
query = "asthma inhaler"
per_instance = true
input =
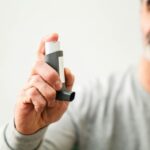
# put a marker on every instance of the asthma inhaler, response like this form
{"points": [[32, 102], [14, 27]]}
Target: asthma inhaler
{"points": [[54, 58]]}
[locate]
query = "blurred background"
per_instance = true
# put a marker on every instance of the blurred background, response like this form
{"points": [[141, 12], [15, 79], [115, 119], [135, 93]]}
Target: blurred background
{"points": [[98, 37]]}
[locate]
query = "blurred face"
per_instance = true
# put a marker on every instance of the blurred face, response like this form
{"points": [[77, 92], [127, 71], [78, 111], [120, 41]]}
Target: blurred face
{"points": [[145, 25], [145, 22]]}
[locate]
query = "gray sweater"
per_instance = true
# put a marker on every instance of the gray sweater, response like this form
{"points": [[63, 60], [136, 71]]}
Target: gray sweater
{"points": [[112, 114]]}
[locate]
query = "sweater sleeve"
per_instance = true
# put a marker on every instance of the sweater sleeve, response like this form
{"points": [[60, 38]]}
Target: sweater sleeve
{"points": [[57, 136], [11, 139]]}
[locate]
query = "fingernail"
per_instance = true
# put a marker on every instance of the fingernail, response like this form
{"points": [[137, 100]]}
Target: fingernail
{"points": [[58, 85]]}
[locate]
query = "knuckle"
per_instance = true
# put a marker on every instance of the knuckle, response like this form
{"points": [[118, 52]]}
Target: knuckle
{"points": [[52, 93], [39, 104], [38, 108], [36, 78], [52, 76], [33, 92], [42, 103]]}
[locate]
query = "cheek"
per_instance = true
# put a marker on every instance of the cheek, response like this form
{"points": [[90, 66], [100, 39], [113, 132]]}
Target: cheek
{"points": [[145, 23], [145, 28]]}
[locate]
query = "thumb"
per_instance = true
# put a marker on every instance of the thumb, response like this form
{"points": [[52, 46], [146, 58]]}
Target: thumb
{"points": [[41, 49]]}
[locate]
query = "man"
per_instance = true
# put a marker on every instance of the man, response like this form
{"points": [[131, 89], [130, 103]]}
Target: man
{"points": [[114, 115]]}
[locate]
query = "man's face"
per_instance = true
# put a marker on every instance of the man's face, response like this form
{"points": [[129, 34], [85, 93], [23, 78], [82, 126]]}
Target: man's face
{"points": [[145, 21]]}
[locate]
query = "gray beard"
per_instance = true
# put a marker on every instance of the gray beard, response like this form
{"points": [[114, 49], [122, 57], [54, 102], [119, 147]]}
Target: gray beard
{"points": [[146, 52]]}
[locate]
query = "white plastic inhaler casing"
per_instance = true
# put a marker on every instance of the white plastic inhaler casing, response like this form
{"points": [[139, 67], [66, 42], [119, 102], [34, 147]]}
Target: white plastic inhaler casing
{"points": [[54, 58]]}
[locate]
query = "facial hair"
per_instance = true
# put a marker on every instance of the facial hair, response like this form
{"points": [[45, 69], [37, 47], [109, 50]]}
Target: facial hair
{"points": [[146, 52]]}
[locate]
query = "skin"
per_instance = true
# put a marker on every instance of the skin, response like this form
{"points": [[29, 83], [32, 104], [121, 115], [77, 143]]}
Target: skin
{"points": [[144, 66], [36, 106]]}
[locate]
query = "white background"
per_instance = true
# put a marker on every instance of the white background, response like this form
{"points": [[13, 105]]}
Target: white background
{"points": [[97, 36]]}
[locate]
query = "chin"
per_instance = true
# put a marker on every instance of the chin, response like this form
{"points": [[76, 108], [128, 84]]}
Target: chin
{"points": [[146, 52]]}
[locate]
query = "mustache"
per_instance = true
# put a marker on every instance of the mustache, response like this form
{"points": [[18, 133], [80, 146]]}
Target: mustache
{"points": [[148, 38], [146, 52]]}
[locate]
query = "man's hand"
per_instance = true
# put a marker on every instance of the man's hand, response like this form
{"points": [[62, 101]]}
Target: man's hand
{"points": [[36, 106]]}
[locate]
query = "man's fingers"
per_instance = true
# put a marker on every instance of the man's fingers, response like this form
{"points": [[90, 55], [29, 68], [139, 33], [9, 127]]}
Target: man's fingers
{"points": [[34, 97], [47, 92], [48, 74], [69, 77], [41, 49]]}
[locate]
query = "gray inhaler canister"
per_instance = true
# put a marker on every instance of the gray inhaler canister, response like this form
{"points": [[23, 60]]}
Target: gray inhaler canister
{"points": [[54, 58]]}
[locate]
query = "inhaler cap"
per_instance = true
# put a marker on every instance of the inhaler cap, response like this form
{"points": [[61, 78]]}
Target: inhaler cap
{"points": [[51, 47]]}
